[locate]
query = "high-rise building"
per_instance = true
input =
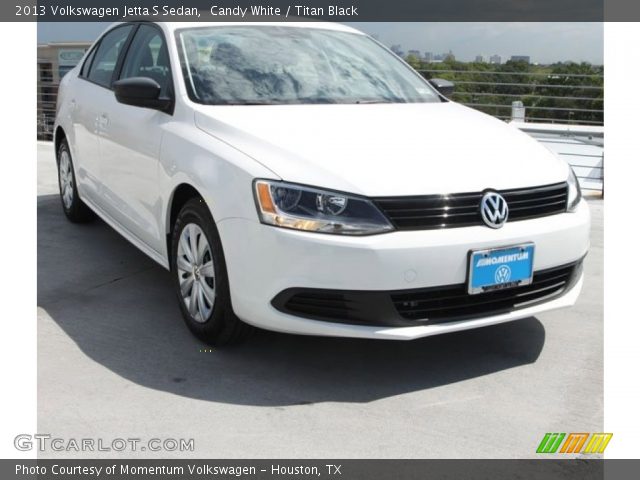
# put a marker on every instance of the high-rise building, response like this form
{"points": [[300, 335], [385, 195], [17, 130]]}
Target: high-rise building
{"points": [[521, 58], [428, 57], [495, 59], [479, 59]]}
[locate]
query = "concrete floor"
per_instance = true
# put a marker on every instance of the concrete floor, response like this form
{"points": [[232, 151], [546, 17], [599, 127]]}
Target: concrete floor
{"points": [[116, 361]]}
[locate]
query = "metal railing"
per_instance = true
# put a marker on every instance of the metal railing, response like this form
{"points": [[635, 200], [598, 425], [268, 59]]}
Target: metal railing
{"points": [[581, 146], [579, 140], [565, 98], [47, 85], [544, 102]]}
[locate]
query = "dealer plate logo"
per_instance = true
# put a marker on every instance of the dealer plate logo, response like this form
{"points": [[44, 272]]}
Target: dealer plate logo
{"points": [[503, 274]]}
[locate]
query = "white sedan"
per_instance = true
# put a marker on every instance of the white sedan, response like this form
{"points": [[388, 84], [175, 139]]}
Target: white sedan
{"points": [[304, 179]]}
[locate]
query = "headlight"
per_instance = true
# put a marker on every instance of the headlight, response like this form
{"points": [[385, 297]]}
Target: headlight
{"points": [[574, 193], [313, 210]]}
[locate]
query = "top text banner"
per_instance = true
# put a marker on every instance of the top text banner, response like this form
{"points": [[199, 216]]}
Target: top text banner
{"points": [[314, 10]]}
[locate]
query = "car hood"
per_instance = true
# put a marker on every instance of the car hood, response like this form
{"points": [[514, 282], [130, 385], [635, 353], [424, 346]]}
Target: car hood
{"points": [[385, 149]]}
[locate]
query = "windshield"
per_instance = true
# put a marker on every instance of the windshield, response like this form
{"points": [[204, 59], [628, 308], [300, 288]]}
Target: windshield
{"points": [[259, 65]]}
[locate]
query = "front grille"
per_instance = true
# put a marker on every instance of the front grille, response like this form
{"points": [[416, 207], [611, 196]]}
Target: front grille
{"points": [[463, 209], [401, 308], [454, 302], [320, 304]]}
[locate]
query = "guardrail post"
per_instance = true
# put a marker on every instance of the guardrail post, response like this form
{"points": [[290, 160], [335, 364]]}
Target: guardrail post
{"points": [[517, 111], [602, 174]]}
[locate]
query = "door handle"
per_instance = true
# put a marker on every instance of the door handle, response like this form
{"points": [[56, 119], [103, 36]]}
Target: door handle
{"points": [[103, 121]]}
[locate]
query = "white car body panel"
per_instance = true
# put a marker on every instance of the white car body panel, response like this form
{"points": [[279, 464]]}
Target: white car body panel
{"points": [[129, 162], [83, 116], [130, 141], [382, 262], [375, 150]]}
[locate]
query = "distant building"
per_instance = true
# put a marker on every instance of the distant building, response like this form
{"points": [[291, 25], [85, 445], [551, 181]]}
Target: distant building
{"points": [[450, 56], [397, 49], [415, 53], [495, 59], [521, 58], [428, 57], [480, 59], [55, 60]]}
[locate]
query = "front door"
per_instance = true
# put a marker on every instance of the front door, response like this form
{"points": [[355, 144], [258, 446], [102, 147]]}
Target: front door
{"points": [[91, 93], [130, 140]]}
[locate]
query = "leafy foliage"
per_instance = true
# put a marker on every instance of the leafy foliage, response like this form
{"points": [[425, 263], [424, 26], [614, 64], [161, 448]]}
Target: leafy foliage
{"points": [[562, 92]]}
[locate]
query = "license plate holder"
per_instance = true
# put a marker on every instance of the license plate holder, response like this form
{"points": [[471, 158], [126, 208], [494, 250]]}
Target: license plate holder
{"points": [[500, 268]]}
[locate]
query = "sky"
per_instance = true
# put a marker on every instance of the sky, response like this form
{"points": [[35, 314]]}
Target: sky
{"points": [[543, 42]]}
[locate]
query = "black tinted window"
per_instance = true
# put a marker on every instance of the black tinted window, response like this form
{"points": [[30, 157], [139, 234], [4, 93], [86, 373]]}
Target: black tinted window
{"points": [[147, 57], [107, 54], [87, 63]]}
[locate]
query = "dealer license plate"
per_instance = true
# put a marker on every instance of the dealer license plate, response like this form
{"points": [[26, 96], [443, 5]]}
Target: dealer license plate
{"points": [[500, 268]]}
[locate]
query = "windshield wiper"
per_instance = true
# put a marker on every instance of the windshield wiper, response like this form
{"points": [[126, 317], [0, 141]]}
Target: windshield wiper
{"points": [[371, 102], [244, 103]]}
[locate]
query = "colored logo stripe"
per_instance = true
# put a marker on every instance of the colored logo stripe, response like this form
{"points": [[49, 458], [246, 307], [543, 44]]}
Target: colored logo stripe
{"points": [[598, 442], [550, 443], [574, 442]]}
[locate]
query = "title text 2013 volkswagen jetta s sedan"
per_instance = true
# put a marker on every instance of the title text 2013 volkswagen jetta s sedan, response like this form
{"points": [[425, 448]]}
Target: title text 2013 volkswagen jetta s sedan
{"points": [[302, 178]]}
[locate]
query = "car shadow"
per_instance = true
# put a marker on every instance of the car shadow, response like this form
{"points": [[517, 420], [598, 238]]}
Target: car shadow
{"points": [[118, 306]]}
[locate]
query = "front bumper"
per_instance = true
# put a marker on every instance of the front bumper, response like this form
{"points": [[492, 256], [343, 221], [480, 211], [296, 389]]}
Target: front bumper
{"points": [[263, 261]]}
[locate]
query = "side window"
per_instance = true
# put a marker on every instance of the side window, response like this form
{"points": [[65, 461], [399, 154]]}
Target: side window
{"points": [[106, 56], [87, 63], [148, 57]]}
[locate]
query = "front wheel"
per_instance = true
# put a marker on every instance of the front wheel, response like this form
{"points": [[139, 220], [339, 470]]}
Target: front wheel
{"points": [[200, 277]]}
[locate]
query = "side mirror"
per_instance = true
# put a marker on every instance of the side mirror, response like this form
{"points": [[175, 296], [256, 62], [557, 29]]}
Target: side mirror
{"points": [[445, 87], [141, 92]]}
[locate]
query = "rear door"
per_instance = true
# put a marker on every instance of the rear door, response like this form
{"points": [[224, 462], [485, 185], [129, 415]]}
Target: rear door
{"points": [[91, 91], [130, 140]]}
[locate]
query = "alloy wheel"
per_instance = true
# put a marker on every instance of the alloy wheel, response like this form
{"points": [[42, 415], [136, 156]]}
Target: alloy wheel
{"points": [[66, 179], [196, 273]]}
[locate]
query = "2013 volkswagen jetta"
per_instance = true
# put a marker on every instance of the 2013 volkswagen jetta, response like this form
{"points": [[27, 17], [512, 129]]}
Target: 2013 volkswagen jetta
{"points": [[302, 178]]}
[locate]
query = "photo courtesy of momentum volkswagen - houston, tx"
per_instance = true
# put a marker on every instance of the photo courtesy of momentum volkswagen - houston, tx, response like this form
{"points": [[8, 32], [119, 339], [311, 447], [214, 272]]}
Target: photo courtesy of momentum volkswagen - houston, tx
{"points": [[302, 178]]}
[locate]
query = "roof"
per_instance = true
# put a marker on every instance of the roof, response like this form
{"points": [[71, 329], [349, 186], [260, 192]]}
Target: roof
{"points": [[316, 25], [172, 26]]}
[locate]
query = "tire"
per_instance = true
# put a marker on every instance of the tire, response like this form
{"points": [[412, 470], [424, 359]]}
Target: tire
{"points": [[74, 208], [200, 278]]}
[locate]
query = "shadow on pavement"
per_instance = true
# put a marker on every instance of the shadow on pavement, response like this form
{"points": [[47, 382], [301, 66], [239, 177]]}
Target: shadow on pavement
{"points": [[118, 306]]}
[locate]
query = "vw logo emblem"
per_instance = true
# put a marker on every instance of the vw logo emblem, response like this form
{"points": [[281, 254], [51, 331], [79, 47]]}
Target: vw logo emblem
{"points": [[494, 209], [503, 274]]}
